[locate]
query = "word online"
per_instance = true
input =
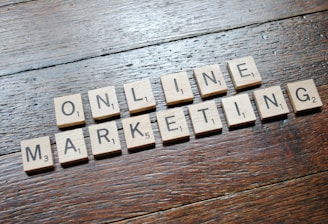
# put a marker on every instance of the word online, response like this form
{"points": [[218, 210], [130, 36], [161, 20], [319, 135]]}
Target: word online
{"points": [[138, 133]]}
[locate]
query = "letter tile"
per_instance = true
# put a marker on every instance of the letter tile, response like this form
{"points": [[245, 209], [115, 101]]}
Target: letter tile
{"points": [[210, 80], [304, 95], [69, 110], [205, 117], [177, 88], [104, 103], [139, 96], [238, 110], [37, 154], [138, 132], [244, 73], [172, 125], [71, 147], [104, 139], [270, 102]]}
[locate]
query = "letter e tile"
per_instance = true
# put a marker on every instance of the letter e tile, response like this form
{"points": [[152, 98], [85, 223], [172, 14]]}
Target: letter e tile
{"points": [[244, 73], [172, 125], [304, 95], [69, 110], [238, 110], [138, 132], [37, 154], [71, 147]]}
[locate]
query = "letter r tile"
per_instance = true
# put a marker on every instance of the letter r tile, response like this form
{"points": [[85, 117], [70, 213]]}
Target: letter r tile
{"points": [[69, 110], [37, 154], [138, 132], [172, 125], [304, 95], [244, 73], [139, 96]]}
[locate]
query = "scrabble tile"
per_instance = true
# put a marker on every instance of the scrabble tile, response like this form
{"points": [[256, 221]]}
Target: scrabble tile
{"points": [[210, 80], [104, 139], [71, 147], [177, 88], [139, 96], [270, 102], [138, 132], [238, 110], [104, 103], [304, 95], [69, 110], [205, 117], [172, 125], [37, 154], [244, 73]]}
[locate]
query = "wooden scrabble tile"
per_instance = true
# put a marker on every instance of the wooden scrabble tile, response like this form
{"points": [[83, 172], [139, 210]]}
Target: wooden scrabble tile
{"points": [[138, 132], [172, 125], [104, 103], [205, 117], [177, 88], [69, 110], [104, 139], [71, 146], [270, 102], [37, 154], [210, 80], [244, 73], [238, 110], [304, 95], [139, 96]]}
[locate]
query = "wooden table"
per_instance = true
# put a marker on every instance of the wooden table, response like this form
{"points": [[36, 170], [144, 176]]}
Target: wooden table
{"points": [[272, 172]]}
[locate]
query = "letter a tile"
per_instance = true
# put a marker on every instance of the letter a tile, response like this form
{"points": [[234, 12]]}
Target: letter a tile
{"points": [[139, 96], [244, 73], [238, 110], [36, 154], [69, 111], [270, 102], [304, 95], [71, 147], [177, 88], [172, 125], [138, 132], [210, 80], [205, 117], [104, 139], [103, 103]]}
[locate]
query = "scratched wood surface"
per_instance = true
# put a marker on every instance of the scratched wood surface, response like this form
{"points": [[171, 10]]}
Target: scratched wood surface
{"points": [[270, 172]]}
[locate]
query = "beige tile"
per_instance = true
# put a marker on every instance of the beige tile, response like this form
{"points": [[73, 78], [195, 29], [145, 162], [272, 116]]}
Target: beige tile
{"points": [[139, 96], [71, 146], [37, 154], [69, 110], [172, 125], [205, 117], [210, 80], [103, 103], [238, 110], [304, 95], [270, 102], [244, 73], [104, 139], [177, 88], [138, 132]]}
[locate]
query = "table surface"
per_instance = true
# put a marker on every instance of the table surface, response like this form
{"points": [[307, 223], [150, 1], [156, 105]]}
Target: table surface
{"points": [[272, 172]]}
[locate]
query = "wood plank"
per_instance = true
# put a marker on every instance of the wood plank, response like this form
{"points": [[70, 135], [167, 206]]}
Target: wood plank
{"points": [[48, 33], [4, 3], [303, 200], [281, 57], [166, 177]]}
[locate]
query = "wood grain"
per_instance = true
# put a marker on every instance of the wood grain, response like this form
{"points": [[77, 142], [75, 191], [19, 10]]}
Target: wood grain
{"points": [[39, 34]]}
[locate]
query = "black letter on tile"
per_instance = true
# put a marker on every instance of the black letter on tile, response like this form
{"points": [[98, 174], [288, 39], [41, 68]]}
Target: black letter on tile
{"points": [[36, 152], [134, 95], [169, 123], [213, 79], [241, 70], [307, 97], [72, 105], [204, 114], [274, 101], [104, 135], [69, 145], [135, 129], [106, 102]]}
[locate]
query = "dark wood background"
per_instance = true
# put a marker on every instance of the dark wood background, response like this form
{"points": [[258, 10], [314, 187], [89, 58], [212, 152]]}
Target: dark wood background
{"points": [[275, 172]]}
